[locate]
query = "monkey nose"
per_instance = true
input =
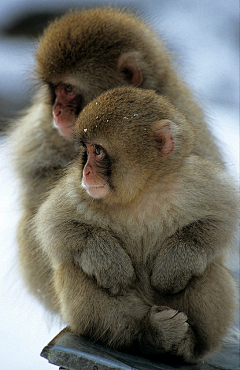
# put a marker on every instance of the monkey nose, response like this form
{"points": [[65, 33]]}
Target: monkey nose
{"points": [[57, 112]]}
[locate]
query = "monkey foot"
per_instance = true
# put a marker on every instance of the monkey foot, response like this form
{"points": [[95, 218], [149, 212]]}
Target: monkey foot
{"points": [[165, 329]]}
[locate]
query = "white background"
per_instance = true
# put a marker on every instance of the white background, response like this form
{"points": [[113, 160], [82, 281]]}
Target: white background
{"points": [[204, 36]]}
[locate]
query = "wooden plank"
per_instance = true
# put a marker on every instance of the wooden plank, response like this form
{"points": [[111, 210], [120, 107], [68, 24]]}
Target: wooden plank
{"points": [[73, 352]]}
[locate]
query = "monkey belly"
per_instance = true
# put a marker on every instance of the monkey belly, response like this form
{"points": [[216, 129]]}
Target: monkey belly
{"points": [[35, 267]]}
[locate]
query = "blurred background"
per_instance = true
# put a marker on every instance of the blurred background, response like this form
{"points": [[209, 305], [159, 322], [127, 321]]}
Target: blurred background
{"points": [[203, 35]]}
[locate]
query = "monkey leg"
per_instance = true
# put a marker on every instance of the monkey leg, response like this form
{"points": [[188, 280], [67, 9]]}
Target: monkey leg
{"points": [[35, 266], [195, 320], [92, 311]]}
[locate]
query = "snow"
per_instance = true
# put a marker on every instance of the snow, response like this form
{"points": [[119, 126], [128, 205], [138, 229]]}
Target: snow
{"points": [[204, 36]]}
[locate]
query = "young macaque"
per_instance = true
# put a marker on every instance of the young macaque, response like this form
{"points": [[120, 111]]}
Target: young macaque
{"points": [[79, 56], [137, 229]]}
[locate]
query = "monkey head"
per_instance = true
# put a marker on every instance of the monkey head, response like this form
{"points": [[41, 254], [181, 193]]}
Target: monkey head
{"points": [[83, 54], [129, 138]]}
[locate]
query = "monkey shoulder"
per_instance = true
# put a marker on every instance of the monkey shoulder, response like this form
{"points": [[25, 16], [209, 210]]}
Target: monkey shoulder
{"points": [[197, 190], [207, 186], [206, 174]]}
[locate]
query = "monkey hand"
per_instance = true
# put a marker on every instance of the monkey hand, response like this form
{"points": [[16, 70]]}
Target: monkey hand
{"points": [[174, 267], [104, 259]]}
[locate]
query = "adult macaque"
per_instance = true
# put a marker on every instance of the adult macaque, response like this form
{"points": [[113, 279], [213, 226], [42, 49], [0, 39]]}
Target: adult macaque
{"points": [[80, 56], [137, 229]]}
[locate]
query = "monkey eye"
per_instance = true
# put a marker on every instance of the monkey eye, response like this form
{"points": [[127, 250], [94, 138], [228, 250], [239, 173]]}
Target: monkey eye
{"points": [[68, 88], [98, 150]]}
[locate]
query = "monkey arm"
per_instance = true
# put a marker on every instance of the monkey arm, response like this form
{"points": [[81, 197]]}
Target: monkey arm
{"points": [[186, 254], [95, 250], [104, 259], [209, 201]]}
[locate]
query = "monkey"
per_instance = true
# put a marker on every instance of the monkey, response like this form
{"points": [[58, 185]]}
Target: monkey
{"points": [[137, 230], [79, 56]]}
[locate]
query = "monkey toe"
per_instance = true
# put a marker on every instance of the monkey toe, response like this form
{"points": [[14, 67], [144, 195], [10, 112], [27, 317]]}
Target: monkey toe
{"points": [[165, 328], [162, 313]]}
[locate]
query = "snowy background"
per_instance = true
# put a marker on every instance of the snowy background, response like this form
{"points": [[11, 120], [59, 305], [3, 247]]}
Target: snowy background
{"points": [[203, 35]]}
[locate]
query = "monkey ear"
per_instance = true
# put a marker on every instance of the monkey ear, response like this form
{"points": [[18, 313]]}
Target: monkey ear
{"points": [[163, 137], [128, 67]]}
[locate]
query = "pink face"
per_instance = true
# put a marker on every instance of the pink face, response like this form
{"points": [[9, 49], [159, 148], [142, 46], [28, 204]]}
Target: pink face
{"points": [[94, 179], [65, 109]]}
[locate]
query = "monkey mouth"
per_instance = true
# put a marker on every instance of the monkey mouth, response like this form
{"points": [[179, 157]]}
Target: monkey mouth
{"points": [[96, 191], [66, 131]]}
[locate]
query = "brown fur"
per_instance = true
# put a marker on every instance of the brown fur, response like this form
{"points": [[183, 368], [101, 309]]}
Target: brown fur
{"points": [[94, 50], [142, 267]]}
